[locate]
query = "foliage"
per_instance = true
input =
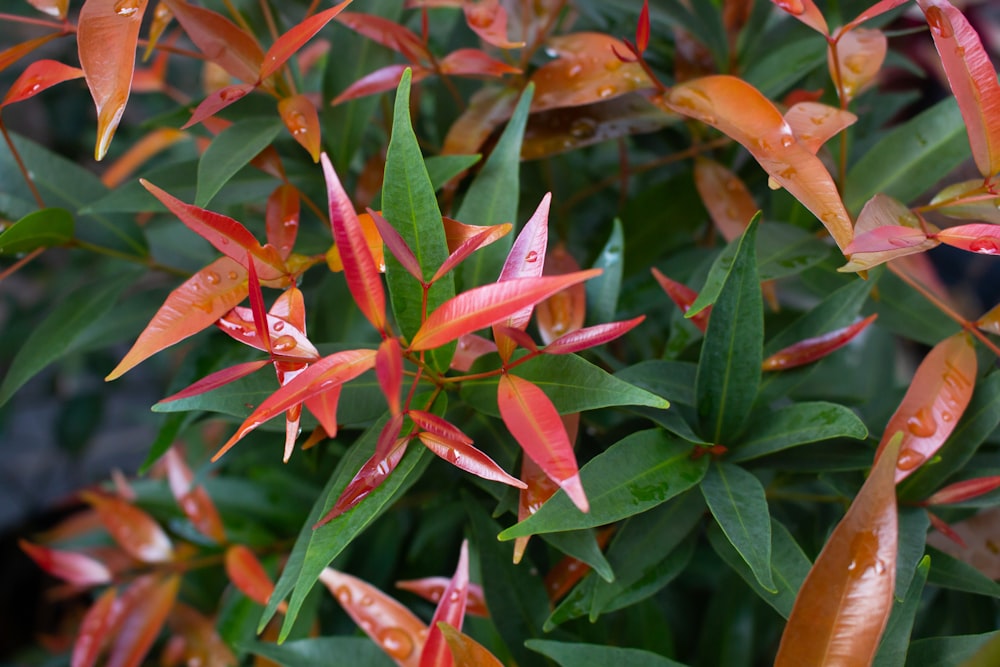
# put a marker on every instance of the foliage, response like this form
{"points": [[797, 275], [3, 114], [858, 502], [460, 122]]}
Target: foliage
{"points": [[746, 478]]}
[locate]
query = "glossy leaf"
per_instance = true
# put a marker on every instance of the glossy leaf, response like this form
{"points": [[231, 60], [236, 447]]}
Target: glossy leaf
{"points": [[94, 629], [886, 229], [231, 150], [282, 218], [134, 530], [741, 112], [877, 9], [38, 76], [362, 276], [41, 229], [599, 334], [594, 655], [972, 78], [684, 297], [107, 34], [488, 19], [964, 490], [473, 62], [937, 397], [980, 238], [11, 55], [485, 237], [538, 489], [796, 424], [450, 611], [76, 568], [300, 117], [564, 312], [290, 343], [859, 57], [360, 651], [223, 43], [389, 34], [805, 11], [844, 604], [813, 124], [247, 574], [466, 457], [895, 641], [465, 650], [285, 46], [147, 601], [725, 195], [217, 101], [193, 498], [389, 371], [389, 624], [642, 28], [813, 349], [432, 588], [379, 81]]}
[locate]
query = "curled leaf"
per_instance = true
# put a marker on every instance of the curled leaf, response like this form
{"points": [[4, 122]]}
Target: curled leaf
{"points": [[886, 229], [813, 124]]}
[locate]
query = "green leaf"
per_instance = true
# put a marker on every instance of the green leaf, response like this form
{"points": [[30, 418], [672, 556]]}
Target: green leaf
{"points": [[670, 379], [913, 525], [910, 158], [896, 638], [230, 151], [515, 598], [603, 291], [41, 229], [785, 250], [731, 355], [907, 313], [572, 383], [493, 196], [789, 566], [987, 656], [635, 474], [354, 651], [947, 651], [949, 572], [409, 204], [594, 655], [796, 424], [63, 330], [443, 168], [582, 545], [784, 64], [736, 499]]}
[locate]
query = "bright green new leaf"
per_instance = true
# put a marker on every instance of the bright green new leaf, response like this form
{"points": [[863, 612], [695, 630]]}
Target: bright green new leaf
{"points": [[230, 151], [41, 229]]}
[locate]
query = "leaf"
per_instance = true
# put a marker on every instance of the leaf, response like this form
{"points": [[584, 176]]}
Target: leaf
{"points": [[475, 63], [379, 81], [935, 651], [217, 101], [282, 218], [94, 628], [195, 305], [534, 422], [230, 151], [594, 655], [856, 59], [948, 571], [729, 202], [844, 604], [731, 356], [355, 651], [301, 119], [635, 474], [886, 229], [107, 34], [146, 603], [976, 237], [389, 34], [812, 349], [736, 499], [805, 11], [247, 574], [467, 651], [38, 76], [431, 589], [466, 457], [896, 640], [793, 425], [134, 530], [685, 299], [741, 112], [76, 568], [294, 39], [604, 290], [599, 334], [814, 124], [222, 42], [938, 395], [41, 229], [488, 19], [194, 501], [451, 612], [972, 78]]}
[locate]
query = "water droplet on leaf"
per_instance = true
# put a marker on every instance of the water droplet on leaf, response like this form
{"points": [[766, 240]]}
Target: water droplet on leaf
{"points": [[396, 643], [127, 8], [984, 246], [921, 423], [909, 459], [212, 277], [938, 22], [284, 344]]}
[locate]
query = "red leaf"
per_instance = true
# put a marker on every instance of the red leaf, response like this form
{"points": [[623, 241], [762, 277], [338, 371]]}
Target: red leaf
{"points": [[642, 28], [878, 8], [193, 499], [565, 311], [683, 296], [389, 34], [76, 568], [812, 349], [432, 588], [300, 117], [390, 625], [146, 604], [94, 630], [471, 245], [844, 604], [516, 336], [967, 489], [217, 101], [814, 124], [860, 54], [598, 334], [741, 112], [397, 245], [466, 457], [470, 347], [533, 421], [937, 397], [457, 234], [13, 54], [465, 650], [54, 8], [379, 81], [290, 343], [320, 377], [388, 438], [247, 574], [567, 572], [450, 610], [488, 19], [362, 276], [107, 34], [257, 306], [805, 11], [389, 371], [293, 40], [374, 471], [886, 229], [282, 218], [324, 408], [489, 304], [972, 78], [726, 197], [135, 531], [195, 305], [980, 238], [539, 489], [223, 42], [370, 230], [38, 76], [945, 529], [473, 62]]}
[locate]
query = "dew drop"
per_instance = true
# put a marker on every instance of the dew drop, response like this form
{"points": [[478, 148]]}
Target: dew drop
{"points": [[212, 277], [231, 94], [898, 242], [454, 596], [984, 246], [612, 64], [938, 22], [879, 567], [127, 8], [531, 257], [367, 601], [909, 459], [343, 594], [787, 140], [396, 642], [233, 275], [853, 565], [583, 128], [922, 423], [296, 123], [606, 91], [278, 326]]}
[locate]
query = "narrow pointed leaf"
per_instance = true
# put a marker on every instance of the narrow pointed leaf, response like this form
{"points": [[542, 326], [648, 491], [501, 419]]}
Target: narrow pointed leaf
{"points": [[805, 11], [397, 246], [76, 568], [42, 229], [964, 490], [379, 81], [231, 150], [223, 42], [94, 630], [980, 238], [147, 603], [844, 603], [247, 574], [466, 457], [642, 28], [860, 54], [684, 297], [324, 408], [896, 640], [488, 19], [282, 218], [886, 229], [217, 101], [603, 292], [293, 40], [193, 499], [107, 34], [38, 76], [474, 63], [450, 611], [938, 395], [432, 588], [11, 55], [389, 371], [292, 344], [877, 9], [389, 34], [812, 349], [299, 115], [465, 650], [598, 334], [469, 246], [972, 77], [257, 311], [134, 530]]}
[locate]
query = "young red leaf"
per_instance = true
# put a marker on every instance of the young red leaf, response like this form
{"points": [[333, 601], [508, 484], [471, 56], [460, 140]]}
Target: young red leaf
{"points": [[683, 296], [470, 347], [247, 574], [289, 342], [859, 57], [473, 62], [937, 397], [390, 625], [902, 233], [300, 117], [193, 499], [439, 426], [432, 588], [489, 304], [324, 408], [374, 471], [488, 19], [202, 644], [38, 76], [468, 458], [13, 54], [941, 526], [379, 81], [561, 579], [162, 16], [217, 101], [539, 488], [726, 197], [465, 650], [107, 34], [877, 9], [389, 371], [534, 422], [889, 241], [195, 305], [599, 334], [450, 610], [967, 489], [145, 606], [563, 312], [223, 42], [972, 78], [293, 40], [457, 234], [844, 604], [642, 28], [362, 276], [389, 34], [282, 218], [978, 237], [397, 245], [813, 124], [805, 11], [388, 438], [740, 111], [54, 8], [135, 531], [76, 568], [457, 256], [812, 349], [257, 310], [372, 236], [94, 630]]}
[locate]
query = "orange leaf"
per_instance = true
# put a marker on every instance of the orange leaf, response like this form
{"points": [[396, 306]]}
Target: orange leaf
{"points": [[814, 124], [107, 34], [76, 568], [844, 604], [300, 117], [470, 347], [563, 312], [903, 234], [197, 304], [389, 34], [202, 644], [135, 531], [38, 76], [223, 42], [193, 498], [805, 11], [859, 57], [458, 233], [13, 54], [389, 371], [217, 101], [247, 574], [534, 422], [878, 8], [586, 70], [390, 625], [465, 650], [282, 218], [812, 349], [138, 153], [972, 78], [54, 8], [979, 237], [292, 346], [539, 489], [162, 16], [488, 19], [588, 337], [487, 109], [451, 611], [293, 40], [146, 604], [94, 630], [740, 111], [937, 397], [473, 62], [727, 199], [432, 588]]}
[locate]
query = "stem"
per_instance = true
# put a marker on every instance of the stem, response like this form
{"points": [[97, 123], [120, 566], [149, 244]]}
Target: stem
{"points": [[13, 268], [20, 165], [838, 81], [237, 16], [148, 262], [61, 26]]}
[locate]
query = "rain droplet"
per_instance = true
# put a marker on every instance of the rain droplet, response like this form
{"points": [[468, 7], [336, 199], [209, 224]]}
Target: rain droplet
{"points": [[909, 459], [879, 567], [454, 596], [396, 643], [922, 423], [284, 344], [606, 91], [898, 242], [531, 257], [296, 123], [127, 8], [853, 565], [575, 69], [367, 601], [212, 277], [233, 275], [787, 140], [231, 94], [583, 128], [984, 246], [938, 22]]}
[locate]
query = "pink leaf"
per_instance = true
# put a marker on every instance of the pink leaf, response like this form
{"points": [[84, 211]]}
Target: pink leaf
{"points": [[888, 239], [397, 245], [599, 334], [38, 76], [439, 426], [466, 457], [290, 343], [282, 218], [368, 478], [980, 238], [94, 630], [389, 34], [134, 530], [884, 212], [473, 62], [470, 245], [293, 40], [470, 347], [805, 11], [389, 371], [432, 588], [877, 9], [488, 19], [76, 568], [450, 610], [959, 492], [379, 81]]}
